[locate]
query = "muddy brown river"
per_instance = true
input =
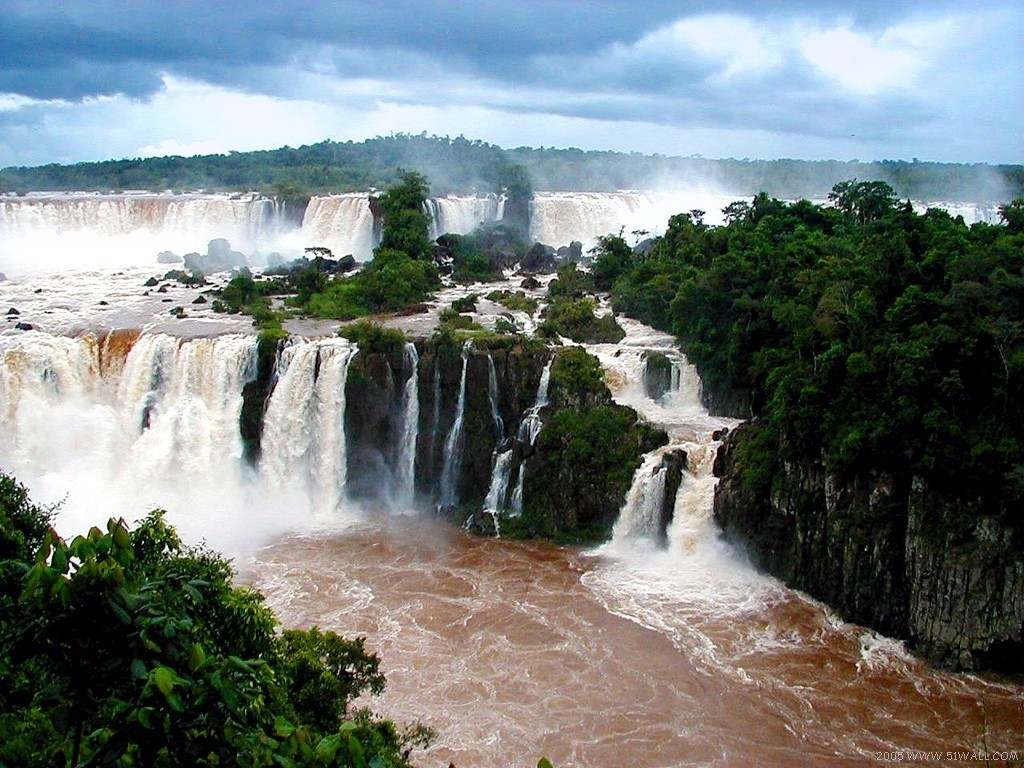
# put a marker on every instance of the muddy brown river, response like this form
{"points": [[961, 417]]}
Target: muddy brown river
{"points": [[513, 651]]}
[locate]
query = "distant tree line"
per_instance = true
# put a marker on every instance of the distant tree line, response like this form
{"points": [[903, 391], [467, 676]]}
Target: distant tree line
{"points": [[466, 166]]}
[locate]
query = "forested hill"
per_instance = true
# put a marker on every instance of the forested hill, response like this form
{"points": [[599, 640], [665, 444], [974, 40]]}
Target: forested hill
{"points": [[878, 354], [464, 166]]}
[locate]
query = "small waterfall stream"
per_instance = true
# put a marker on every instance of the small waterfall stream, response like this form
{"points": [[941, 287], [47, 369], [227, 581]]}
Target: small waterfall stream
{"points": [[528, 431], [405, 470], [453, 443]]}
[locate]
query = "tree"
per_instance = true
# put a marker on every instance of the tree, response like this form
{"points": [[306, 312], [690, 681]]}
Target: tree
{"points": [[406, 223], [1012, 214], [126, 647]]}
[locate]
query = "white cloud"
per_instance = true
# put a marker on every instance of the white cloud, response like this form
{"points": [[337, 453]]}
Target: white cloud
{"points": [[863, 65], [734, 44], [169, 147]]}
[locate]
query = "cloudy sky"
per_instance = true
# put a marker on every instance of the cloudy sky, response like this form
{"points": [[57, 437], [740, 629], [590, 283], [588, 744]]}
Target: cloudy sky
{"points": [[933, 79]]}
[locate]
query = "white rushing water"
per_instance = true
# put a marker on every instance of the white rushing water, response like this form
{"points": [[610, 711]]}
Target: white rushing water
{"points": [[529, 429], [460, 215], [453, 443], [405, 490], [303, 448], [343, 223], [44, 232]]}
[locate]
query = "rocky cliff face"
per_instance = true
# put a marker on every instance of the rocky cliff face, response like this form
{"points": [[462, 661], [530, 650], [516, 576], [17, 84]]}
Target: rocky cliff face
{"points": [[883, 551], [576, 475], [517, 371]]}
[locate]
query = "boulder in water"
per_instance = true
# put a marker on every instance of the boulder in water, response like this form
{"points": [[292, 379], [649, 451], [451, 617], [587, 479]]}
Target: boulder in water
{"points": [[219, 258], [199, 300], [571, 253], [540, 258], [530, 283], [25, 327], [12, 312], [151, 282]]}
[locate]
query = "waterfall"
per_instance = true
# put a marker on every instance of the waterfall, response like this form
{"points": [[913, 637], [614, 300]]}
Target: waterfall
{"points": [[501, 468], [405, 471], [460, 215], [528, 431], [694, 502], [343, 223], [87, 230], [304, 447], [435, 420], [641, 513], [557, 218], [492, 397], [191, 411], [453, 444]]}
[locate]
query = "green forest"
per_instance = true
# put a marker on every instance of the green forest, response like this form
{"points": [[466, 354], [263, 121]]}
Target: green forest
{"points": [[124, 646], [879, 338], [461, 165]]}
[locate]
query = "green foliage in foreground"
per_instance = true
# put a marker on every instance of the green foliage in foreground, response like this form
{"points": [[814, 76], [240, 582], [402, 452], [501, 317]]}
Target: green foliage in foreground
{"points": [[127, 648], [883, 339]]}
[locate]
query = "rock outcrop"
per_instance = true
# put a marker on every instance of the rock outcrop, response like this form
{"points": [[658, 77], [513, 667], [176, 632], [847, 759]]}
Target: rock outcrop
{"points": [[884, 551]]}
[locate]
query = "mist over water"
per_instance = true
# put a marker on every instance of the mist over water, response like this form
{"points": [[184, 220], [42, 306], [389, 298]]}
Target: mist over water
{"points": [[46, 233]]}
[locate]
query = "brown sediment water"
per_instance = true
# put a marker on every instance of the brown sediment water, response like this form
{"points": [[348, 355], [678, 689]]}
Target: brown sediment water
{"points": [[614, 657]]}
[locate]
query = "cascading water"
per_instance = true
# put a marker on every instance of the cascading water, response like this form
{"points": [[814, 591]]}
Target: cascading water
{"points": [[460, 215], [691, 517], [193, 406], [528, 431], [641, 513], [343, 223], [501, 467], [405, 469], [303, 449], [86, 231], [453, 444], [492, 398]]}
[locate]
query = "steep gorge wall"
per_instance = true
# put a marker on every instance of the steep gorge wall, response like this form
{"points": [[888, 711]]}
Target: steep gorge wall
{"points": [[884, 551]]}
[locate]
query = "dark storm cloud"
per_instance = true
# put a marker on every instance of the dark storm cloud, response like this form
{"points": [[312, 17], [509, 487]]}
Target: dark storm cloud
{"points": [[730, 64], [74, 49]]}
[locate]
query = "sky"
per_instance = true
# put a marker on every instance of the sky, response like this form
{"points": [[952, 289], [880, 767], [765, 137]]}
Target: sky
{"points": [[810, 79]]}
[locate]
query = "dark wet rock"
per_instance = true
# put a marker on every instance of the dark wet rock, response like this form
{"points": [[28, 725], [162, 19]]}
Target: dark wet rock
{"points": [[219, 257], [12, 312], [530, 283], [190, 279], [151, 282], [199, 300], [540, 258], [884, 550], [25, 326]]}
